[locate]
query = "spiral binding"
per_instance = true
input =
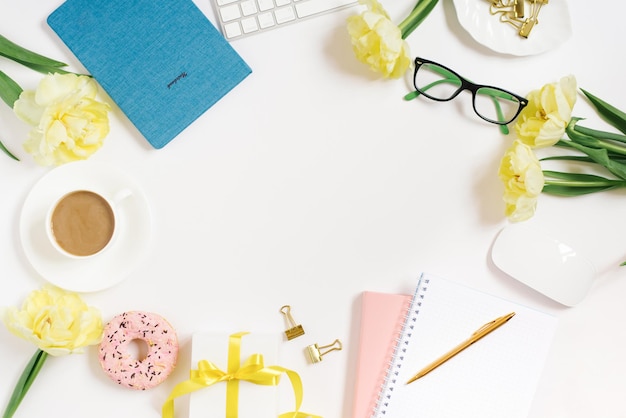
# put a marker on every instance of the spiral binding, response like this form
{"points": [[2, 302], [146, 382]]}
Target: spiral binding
{"points": [[393, 370]]}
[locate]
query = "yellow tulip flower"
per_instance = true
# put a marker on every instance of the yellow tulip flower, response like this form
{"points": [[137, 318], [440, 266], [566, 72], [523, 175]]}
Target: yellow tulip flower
{"points": [[523, 179], [69, 124], [56, 321], [381, 44], [378, 42], [542, 123]]}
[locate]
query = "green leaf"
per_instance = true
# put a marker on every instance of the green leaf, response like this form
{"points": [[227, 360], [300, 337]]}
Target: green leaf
{"points": [[568, 158], [613, 115], [44, 69], [15, 52], [568, 191], [582, 180], [9, 90], [601, 157], [577, 184], [25, 381], [583, 158], [7, 152]]}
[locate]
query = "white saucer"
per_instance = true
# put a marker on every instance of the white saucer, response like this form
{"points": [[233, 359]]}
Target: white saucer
{"points": [[545, 264], [102, 270], [553, 29]]}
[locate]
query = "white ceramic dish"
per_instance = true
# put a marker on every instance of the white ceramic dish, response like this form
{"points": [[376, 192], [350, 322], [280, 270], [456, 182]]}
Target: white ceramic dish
{"points": [[553, 28], [545, 264], [100, 271]]}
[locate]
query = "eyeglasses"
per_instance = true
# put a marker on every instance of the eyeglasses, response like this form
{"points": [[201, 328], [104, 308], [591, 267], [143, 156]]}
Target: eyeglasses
{"points": [[442, 84]]}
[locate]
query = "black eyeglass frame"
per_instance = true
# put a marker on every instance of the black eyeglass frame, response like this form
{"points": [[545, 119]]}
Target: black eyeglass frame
{"points": [[467, 85]]}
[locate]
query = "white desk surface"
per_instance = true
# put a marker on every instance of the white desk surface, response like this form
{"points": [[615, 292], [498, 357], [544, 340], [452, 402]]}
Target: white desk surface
{"points": [[313, 181]]}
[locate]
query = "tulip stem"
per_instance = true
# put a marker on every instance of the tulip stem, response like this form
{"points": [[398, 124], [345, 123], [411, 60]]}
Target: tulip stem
{"points": [[421, 10], [581, 184], [25, 381]]}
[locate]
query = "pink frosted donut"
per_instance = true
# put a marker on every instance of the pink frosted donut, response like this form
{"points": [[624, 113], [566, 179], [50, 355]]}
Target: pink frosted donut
{"points": [[122, 366]]}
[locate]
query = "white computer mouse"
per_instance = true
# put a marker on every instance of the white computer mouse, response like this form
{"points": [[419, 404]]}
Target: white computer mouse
{"points": [[547, 265]]}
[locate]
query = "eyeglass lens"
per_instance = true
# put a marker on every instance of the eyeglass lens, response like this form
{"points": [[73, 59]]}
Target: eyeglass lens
{"points": [[492, 104]]}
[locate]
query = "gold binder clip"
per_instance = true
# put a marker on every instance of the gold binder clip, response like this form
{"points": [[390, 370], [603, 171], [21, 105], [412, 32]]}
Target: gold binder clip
{"points": [[315, 353], [295, 330], [518, 7], [533, 20], [527, 26]]}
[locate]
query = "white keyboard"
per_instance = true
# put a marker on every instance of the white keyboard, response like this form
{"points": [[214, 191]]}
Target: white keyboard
{"points": [[240, 18]]}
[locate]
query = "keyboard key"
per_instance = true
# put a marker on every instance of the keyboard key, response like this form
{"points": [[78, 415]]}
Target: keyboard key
{"points": [[265, 5], [224, 2], [229, 13], [310, 7], [284, 15], [248, 7], [249, 25], [266, 20], [232, 30], [280, 3]]}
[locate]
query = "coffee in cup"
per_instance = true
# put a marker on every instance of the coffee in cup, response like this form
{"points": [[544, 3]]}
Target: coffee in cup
{"points": [[81, 223]]}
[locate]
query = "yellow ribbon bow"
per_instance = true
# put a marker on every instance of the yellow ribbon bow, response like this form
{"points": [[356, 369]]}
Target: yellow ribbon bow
{"points": [[252, 370]]}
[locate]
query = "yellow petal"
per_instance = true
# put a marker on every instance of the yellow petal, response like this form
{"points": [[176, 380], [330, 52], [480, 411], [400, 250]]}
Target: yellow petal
{"points": [[27, 109]]}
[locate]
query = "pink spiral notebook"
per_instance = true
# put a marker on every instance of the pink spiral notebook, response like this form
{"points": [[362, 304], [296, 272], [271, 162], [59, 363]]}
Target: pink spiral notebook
{"points": [[382, 318]]}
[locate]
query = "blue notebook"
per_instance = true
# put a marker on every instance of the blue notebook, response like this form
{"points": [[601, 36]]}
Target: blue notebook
{"points": [[162, 62]]}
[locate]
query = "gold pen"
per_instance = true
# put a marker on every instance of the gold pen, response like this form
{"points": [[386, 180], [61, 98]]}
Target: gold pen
{"points": [[480, 333]]}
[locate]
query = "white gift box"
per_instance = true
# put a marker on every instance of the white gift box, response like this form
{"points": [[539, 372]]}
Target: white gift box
{"points": [[255, 401]]}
